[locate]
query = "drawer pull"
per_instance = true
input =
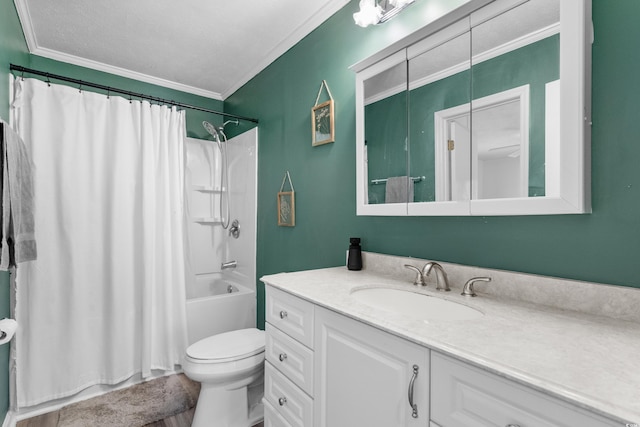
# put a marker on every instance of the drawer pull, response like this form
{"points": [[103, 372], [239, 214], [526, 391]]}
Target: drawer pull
{"points": [[282, 357], [282, 401], [414, 407], [283, 314], [512, 425]]}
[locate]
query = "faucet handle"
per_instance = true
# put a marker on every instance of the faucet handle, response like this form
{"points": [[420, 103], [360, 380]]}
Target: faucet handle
{"points": [[468, 291], [419, 280]]}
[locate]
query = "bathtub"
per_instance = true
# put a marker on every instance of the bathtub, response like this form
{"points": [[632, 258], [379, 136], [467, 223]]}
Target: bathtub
{"points": [[220, 307]]}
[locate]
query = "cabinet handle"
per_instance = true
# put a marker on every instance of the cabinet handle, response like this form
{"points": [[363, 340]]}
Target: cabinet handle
{"points": [[283, 314], [282, 401], [414, 407], [282, 357], [512, 425]]}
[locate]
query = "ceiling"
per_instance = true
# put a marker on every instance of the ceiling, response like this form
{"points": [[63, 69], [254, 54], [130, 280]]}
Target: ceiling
{"points": [[206, 47]]}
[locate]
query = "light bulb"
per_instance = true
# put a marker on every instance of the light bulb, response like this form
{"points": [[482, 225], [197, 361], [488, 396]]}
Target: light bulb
{"points": [[369, 14]]}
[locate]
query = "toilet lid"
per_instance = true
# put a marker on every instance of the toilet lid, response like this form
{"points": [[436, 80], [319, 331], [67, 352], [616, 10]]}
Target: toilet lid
{"points": [[229, 345]]}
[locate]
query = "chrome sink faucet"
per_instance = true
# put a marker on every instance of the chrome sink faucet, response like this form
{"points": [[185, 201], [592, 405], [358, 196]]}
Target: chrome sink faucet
{"points": [[442, 283]]}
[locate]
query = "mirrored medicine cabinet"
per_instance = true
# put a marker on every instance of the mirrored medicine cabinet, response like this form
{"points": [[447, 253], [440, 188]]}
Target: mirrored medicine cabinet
{"points": [[485, 111]]}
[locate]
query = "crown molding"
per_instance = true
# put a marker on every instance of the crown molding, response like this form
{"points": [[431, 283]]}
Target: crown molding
{"points": [[35, 49], [123, 72], [298, 34], [27, 24]]}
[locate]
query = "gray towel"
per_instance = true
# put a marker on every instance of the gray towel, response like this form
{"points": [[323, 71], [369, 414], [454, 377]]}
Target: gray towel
{"points": [[18, 239], [399, 189]]}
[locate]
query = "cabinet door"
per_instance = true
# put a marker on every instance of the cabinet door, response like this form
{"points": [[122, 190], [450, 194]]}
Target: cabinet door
{"points": [[465, 396], [363, 376]]}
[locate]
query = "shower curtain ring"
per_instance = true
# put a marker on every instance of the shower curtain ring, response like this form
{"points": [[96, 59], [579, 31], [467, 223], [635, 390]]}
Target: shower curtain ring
{"points": [[22, 75], [48, 80], [80, 87]]}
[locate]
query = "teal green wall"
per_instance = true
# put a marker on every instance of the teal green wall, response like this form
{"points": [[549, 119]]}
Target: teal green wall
{"points": [[13, 48], [602, 247], [386, 135]]}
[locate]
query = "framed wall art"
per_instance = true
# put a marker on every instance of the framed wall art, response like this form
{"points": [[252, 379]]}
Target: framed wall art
{"points": [[322, 119], [286, 204]]}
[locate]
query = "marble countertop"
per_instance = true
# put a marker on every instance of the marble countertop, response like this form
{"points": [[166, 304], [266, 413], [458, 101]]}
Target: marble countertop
{"points": [[589, 360]]}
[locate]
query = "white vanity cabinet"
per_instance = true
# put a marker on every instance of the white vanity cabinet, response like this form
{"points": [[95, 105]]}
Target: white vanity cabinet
{"points": [[466, 396], [288, 384], [325, 369], [365, 377]]}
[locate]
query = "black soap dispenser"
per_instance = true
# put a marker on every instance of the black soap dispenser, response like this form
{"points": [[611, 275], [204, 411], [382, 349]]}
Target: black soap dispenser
{"points": [[354, 261]]}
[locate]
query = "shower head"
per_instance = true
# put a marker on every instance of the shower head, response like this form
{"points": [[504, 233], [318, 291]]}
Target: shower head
{"points": [[212, 130]]}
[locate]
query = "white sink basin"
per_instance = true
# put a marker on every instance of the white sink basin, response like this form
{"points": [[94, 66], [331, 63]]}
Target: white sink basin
{"points": [[415, 305]]}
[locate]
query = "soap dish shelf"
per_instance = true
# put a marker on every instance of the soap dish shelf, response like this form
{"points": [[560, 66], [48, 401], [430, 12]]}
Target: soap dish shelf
{"points": [[207, 220], [207, 189]]}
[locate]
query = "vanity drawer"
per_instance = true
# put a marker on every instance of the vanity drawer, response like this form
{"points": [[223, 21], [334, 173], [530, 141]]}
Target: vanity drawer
{"points": [[288, 400], [290, 357], [465, 396], [290, 314], [272, 418]]}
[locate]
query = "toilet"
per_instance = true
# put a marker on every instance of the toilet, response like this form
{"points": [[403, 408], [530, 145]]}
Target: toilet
{"points": [[230, 368]]}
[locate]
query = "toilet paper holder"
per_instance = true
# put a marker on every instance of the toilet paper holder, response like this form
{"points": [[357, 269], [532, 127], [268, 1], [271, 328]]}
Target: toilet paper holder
{"points": [[7, 329]]}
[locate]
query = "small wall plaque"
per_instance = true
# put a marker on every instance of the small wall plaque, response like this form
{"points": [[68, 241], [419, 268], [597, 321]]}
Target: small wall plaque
{"points": [[322, 119], [286, 204]]}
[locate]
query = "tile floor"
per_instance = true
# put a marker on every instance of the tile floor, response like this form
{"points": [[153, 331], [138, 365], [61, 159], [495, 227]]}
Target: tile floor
{"points": [[51, 420], [178, 386]]}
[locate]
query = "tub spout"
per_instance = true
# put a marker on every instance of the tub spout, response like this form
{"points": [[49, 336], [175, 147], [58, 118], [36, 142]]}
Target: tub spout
{"points": [[229, 264]]}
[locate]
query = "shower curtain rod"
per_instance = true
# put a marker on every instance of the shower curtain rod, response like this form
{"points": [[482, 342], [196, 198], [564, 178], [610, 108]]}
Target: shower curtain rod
{"points": [[130, 94]]}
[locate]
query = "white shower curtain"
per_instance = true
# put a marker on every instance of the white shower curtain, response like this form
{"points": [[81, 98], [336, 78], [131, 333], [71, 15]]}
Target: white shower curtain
{"points": [[105, 299]]}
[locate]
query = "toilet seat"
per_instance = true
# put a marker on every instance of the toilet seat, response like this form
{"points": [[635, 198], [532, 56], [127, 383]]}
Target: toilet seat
{"points": [[227, 366], [227, 347]]}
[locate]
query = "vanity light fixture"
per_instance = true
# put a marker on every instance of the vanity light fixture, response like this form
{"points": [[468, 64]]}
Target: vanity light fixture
{"points": [[370, 13], [373, 12]]}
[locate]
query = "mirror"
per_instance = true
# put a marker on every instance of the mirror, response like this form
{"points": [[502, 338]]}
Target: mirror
{"points": [[440, 145], [385, 132], [491, 127], [515, 63]]}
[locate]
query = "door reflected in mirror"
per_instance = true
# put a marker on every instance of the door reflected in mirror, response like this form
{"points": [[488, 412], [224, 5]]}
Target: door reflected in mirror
{"points": [[515, 60], [439, 79], [499, 141]]}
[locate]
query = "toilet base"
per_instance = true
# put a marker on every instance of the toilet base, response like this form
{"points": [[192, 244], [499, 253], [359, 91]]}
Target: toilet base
{"points": [[226, 408]]}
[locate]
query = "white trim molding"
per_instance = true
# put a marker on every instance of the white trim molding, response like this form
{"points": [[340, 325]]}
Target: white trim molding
{"points": [[294, 37], [123, 72]]}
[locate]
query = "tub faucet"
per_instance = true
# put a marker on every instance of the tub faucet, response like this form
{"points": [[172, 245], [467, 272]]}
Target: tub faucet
{"points": [[442, 283], [229, 264]]}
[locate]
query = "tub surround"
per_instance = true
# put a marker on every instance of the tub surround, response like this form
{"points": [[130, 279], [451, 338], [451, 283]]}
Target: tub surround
{"points": [[576, 341]]}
